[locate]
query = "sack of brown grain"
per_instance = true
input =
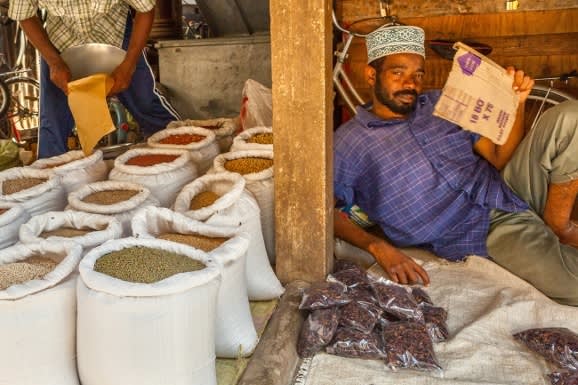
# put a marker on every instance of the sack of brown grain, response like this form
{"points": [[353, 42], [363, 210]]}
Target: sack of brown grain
{"points": [[235, 333], [38, 307], [12, 215], [221, 200], [223, 128], [75, 168], [38, 191], [129, 287], [256, 138], [163, 171], [118, 199]]}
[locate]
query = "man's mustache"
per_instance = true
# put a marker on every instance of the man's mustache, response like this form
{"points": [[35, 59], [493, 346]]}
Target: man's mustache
{"points": [[406, 92]]}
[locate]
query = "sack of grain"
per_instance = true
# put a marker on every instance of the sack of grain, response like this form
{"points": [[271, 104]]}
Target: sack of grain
{"points": [[12, 215], [38, 322], [235, 332], [118, 199], [135, 333], [256, 166], [256, 138], [200, 142], [75, 168], [164, 172], [86, 229], [221, 200], [38, 191], [224, 129]]}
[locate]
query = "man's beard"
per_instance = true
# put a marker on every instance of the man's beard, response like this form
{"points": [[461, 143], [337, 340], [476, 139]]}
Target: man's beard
{"points": [[403, 108]]}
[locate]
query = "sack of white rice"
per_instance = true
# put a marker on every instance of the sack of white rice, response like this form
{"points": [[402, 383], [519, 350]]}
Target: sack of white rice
{"points": [[163, 171], [256, 166], [118, 199], [146, 314], [12, 215], [256, 138], [235, 333], [87, 229], [224, 129], [201, 143], [38, 191], [38, 307], [75, 168], [221, 200]]}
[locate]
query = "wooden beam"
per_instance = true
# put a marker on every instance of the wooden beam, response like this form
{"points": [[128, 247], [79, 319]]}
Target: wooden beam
{"points": [[301, 57]]}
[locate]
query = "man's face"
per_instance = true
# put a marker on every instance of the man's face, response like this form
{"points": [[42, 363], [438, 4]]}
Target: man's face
{"points": [[399, 81]]}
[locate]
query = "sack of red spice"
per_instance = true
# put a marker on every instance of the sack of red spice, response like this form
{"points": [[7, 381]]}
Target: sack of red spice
{"points": [[557, 345]]}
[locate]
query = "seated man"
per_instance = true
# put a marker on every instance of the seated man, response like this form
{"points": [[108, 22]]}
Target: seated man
{"points": [[428, 183]]}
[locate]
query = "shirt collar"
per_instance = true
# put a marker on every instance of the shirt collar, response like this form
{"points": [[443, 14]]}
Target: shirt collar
{"points": [[370, 120]]}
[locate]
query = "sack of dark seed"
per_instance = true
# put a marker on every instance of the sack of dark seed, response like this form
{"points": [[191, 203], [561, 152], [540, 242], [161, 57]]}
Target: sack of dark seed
{"points": [[421, 296], [396, 300], [564, 378], [351, 277], [360, 316], [408, 345], [557, 345], [317, 331], [321, 295], [353, 343], [435, 320]]}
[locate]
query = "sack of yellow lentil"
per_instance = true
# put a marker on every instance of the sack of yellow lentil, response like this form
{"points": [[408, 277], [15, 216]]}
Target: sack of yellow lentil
{"points": [[118, 199], [12, 215], [163, 171], [38, 191], [256, 166], [146, 314], [221, 200], [75, 168], [87, 229], [224, 129], [256, 138], [38, 308], [235, 333], [200, 142]]}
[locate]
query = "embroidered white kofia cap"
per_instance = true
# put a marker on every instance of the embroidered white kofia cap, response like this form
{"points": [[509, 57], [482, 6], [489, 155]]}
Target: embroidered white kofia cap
{"points": [[389, 40]]}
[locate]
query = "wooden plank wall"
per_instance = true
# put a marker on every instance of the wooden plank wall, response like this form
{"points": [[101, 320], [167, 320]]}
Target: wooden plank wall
{"points": [[541, 38]]}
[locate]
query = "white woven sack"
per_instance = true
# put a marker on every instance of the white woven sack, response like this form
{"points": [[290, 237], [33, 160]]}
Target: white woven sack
{"points": [[235, 332], [235, 208], [261, 185], [122, 211], [10, 222], [164, 180], [147, 334], [38, 322], [226, 128], [240, 141], [202, 152], [75, 168], [47, 196], [103, 228]]}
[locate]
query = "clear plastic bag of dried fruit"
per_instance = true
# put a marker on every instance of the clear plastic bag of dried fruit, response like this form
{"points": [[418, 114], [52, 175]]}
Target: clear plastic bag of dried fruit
{"points": [[317, 331], [321, 295], [353, 343], [557, 345], [407, 345], [360, 316], [564, 378], [396, 300], [435, 320], [351, 276]]}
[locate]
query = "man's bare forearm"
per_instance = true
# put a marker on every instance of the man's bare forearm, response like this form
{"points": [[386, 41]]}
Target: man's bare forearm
{"points": [[38, 37]]}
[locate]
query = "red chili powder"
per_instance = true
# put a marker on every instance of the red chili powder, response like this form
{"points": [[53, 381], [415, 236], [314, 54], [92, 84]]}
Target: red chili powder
{"points": [[150, 159], [182, 139]]}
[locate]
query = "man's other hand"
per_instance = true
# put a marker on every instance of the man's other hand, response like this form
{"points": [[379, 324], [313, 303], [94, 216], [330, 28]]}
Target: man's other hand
{"points": [[122, 76], [522, 83], [60, 75]]}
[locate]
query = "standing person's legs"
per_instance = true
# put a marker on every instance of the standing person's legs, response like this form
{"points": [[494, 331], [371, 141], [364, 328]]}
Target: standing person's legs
{"points": [[56, 121]]}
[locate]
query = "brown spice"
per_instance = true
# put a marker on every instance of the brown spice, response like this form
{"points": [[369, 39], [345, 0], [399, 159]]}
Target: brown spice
{"points": [[203, 199], [150, 159], [317, 331], [353, 343], [196, 240], [12, 186], [395, 300], [557, 345], [144, 264], [67, 232], [264, 138], [109, 197], [249, 165], [408, 345], [34, 267], [322, 295], [182, 139]]}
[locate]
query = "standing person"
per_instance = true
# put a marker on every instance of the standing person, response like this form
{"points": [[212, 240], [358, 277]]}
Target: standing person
{"points": [[75, 22], [428, 183]]}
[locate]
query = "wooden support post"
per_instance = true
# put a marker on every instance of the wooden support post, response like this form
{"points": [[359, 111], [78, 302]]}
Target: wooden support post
{"points": [[167, 24], [301, 57]]}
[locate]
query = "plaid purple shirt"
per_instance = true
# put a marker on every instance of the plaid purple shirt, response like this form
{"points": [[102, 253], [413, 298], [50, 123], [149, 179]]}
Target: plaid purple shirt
{"points": [[420, 180]]}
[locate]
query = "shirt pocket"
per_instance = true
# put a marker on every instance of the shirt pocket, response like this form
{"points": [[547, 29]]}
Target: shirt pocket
{"points": [[103, 6]]}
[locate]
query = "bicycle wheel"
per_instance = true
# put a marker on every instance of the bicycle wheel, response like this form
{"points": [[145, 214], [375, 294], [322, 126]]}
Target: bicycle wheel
{"points": [[4, 98], [540, 99], [24, 107]]}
